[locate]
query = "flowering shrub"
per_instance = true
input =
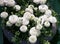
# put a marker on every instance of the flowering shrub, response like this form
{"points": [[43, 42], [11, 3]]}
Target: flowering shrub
{"points": [[28, 20]]}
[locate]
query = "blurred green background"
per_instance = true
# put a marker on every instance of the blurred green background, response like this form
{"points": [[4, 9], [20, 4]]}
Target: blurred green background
{"points": [[55, 5]]}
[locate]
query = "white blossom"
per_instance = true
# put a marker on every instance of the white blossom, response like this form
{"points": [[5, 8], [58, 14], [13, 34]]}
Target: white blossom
{"points": [[5, 2], [4, 15], [33, 31], [47, 24], [43, 1], [23, 28], [39, 26], [1, 2], [31, 6], [13, 19], [25, 22], [43, 8], [17, 7], [29, 10], [8, 23], [48, 13], [36, 19], [43, 18], [52, 19], [27, 15], [32, 39], [11, 3], [20, 20], [36, 1]]}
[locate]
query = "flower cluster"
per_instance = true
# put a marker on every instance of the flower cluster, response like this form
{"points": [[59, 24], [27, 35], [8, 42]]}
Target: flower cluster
{"points": [[22, 22]]}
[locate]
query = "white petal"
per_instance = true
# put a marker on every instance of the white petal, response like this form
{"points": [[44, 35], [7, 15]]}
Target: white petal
{"points": [[23, 28], [4, 15], [43, 8], [13, 19], [32, 39]]}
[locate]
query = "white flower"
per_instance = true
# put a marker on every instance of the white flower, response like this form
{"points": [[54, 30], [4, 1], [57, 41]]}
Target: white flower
{"points": [[4, 15], [17, 7], [32, 17], [25, 22], [1, 2], [32, 39], [36, 1], [27, 15], [29, 10], [23, 28], [39, 27], [47, 24], [43, 8], [8, 23], [52, 19], [19, 21], [13, 19], [31, 6], [43, 1], [5, 2], [10, 3], [33, 31], [48, 13], [36, 19], [43, 18]]}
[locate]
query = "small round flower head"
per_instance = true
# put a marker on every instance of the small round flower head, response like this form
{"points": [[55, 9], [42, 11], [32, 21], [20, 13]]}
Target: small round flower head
{"points": [[39, 27], [52, 19], [25, 22], [31, 6], [11, 3], [13, 19], [23, 28], [33, 31], [1, 2], [32, 39], [8, 23], [27, 15], [47, 24], [4, 15], [48, 13], [29, 10], [43, 8], [17, 7], [43, 1], [36, 1]]}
